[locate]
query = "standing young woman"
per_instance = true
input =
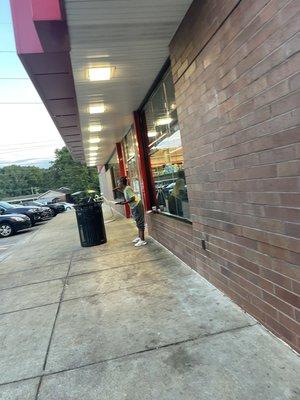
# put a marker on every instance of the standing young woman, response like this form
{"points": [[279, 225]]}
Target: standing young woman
{"points": [[137, 210]]}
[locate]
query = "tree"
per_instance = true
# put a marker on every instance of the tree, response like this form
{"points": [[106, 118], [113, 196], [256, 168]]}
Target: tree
{"points": [[16, 180], [72, 174]]}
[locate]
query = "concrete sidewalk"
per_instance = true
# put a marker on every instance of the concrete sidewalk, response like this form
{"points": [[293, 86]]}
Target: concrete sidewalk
{"points": [[115, 322]]}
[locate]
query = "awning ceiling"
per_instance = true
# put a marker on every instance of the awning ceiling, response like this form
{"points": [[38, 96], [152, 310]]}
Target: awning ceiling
{"points": [[132, 36]]}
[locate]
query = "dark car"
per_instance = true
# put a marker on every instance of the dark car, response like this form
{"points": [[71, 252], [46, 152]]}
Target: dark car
{"points": [[34, 213], [12, 223], [47, 211], [55, 208]]}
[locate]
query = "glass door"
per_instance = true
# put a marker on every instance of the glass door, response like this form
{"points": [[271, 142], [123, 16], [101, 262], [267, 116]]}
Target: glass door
{"points": [[131, 156]]}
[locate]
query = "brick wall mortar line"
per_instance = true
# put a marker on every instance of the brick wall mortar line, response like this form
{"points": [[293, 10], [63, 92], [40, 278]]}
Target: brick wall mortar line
{"points": [[209, 39], [255, 33], [215, 33], [253, 140], [251, 272]]}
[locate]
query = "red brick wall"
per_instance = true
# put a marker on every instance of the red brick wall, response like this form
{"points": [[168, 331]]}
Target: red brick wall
{"points": [[175, 235], [236, 73]]}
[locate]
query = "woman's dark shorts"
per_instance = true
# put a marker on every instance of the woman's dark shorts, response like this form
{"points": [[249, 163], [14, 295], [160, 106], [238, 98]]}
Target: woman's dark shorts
{"points": [[138, 215]]}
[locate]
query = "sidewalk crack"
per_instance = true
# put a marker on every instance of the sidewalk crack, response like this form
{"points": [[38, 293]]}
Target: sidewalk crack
{"points": [[54, 324]]}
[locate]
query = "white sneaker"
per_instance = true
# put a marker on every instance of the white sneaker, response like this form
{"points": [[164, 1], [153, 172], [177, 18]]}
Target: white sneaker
{"points": [[137, 239], [140, 243]]}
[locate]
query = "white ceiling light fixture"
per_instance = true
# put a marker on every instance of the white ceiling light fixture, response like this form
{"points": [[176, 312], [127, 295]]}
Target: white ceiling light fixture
{"points": [[92, 154], [94, 140], [97, 108], [100, 73], [152, 134], [163, 121], [98, 56], [93, 148], [95, 128]]}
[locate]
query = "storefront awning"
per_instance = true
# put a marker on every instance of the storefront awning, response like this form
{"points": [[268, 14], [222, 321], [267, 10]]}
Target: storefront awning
{"points": [[42, 43], [70, 53]]}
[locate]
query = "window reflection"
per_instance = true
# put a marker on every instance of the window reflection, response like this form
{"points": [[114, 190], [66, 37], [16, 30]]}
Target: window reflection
{"points": [[130, 147], [166, 150], [113, 167]]}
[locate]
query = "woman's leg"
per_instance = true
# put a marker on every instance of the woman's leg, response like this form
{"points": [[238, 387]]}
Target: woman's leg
{"points": [[138, 215], [142, 234]]}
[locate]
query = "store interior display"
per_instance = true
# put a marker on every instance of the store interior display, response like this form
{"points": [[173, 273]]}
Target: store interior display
{"points": [[165, 149], [113, 167], [130, 151]]}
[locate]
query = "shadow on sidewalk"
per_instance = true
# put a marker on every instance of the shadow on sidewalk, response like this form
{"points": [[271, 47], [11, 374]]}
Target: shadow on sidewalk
{"points": [[115, 321]]}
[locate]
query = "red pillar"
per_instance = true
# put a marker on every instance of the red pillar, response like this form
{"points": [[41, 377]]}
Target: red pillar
{"points": [[122, 172], [147, 184]]}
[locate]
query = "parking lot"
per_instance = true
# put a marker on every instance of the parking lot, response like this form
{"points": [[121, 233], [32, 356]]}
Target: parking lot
{"points": [[20, 222], [7, 245]]}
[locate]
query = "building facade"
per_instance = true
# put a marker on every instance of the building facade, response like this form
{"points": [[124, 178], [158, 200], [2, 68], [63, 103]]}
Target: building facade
{"points": [[213, 149]]}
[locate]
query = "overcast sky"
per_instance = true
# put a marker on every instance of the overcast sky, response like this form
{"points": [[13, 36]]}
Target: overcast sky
{"points": [[28, 134]]}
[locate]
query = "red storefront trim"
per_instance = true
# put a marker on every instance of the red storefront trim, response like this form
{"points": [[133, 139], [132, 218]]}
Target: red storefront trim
{"points": [[122, 172], [42, 42], [147, 184]]}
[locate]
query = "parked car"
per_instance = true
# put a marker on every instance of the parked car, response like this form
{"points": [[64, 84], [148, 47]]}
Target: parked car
{"points": [[34, 213], [67, 206], [12, 223], [55, 208], [46, 212]]}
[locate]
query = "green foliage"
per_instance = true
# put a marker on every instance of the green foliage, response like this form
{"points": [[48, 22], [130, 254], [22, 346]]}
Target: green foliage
{"points": [[69, 173], [16, 180]]}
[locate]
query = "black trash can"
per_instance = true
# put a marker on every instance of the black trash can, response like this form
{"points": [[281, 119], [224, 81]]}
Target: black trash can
{"points": [[90, 224]]}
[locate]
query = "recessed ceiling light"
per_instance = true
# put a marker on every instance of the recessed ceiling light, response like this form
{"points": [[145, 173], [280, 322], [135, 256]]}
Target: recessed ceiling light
{"points": [[94, 140], [96, 108], [95, 128], [152, 133], [99, 73], [98, 56], [92, 154], [163, 121], [93, 148]]}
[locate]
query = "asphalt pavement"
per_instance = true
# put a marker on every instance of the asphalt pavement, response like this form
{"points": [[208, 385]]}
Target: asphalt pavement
{"points": [[7, 245]]}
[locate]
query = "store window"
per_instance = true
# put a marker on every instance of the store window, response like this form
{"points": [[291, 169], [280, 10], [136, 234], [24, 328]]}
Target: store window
{"points": [[114, 169], [131, 151], [165, 149]]}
